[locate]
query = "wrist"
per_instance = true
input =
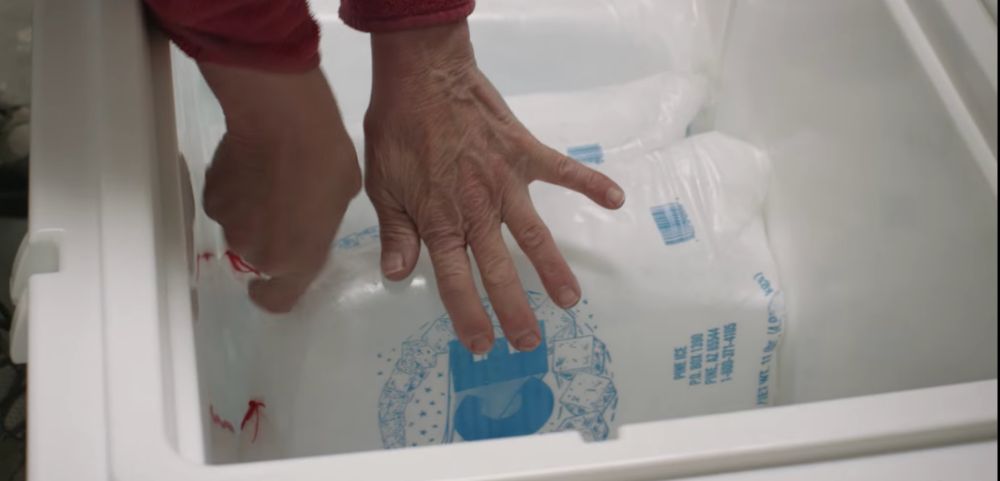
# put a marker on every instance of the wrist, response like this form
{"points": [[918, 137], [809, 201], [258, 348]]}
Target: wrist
{"points": [[254, 100], [420, 58]]}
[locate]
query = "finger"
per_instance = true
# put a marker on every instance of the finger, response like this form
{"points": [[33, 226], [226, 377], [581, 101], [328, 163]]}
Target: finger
{"points": [[269, 256], [400, 242], [223, 203], [289, 279], [279, 294], [224, 191], [240, 239], [458, 293], [212, 201], [537, 243], [556, 168], [504, 289]]}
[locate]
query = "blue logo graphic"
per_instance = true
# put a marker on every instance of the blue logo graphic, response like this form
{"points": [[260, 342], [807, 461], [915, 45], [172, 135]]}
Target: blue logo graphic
{"points": [[478, 382], [499, 365], [672, 221], [355, 240], [588, 154], [439, 392]]}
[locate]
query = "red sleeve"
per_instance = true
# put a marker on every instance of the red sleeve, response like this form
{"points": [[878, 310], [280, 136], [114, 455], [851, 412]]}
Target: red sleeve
{"points": [[391, 15], [273, 35]]}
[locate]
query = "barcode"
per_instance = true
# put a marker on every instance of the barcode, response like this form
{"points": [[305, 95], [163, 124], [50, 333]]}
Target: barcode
{"points": [[673, 223], [588, 154]]}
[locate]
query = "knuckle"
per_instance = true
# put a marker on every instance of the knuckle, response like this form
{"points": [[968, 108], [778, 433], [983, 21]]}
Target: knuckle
{"points": [[565, 168], [593, 180], [480, 230], [554, 271], [533, 236], [477, 201], [498, 272], [395, 231], [444, 238], [451, 276], [440, 229]]}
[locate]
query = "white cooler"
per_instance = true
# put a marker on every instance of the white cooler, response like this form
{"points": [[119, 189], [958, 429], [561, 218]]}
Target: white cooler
{"points": [[880, 120]]}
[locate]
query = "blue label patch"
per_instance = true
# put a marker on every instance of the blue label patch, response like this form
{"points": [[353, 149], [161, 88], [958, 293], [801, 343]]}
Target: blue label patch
{"points": [[588, 154], [436, 391], [673, 223], [354, 240]]}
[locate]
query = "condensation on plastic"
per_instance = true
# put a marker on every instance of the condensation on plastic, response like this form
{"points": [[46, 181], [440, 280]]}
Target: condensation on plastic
{"points": [[680, 288], [614, 120]]}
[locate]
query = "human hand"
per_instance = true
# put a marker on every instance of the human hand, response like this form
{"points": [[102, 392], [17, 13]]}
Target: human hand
{"points": [[281, 178], [448, 163]]}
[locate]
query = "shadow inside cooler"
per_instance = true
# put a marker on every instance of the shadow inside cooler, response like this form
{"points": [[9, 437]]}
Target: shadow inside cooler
{"points": [[803, 221]]}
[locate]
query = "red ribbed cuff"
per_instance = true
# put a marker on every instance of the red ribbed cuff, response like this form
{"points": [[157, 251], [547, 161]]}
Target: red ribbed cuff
{"points": [[270, 35], [378, 16]]}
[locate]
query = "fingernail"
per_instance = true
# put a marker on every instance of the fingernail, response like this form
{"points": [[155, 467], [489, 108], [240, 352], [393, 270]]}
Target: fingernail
{"points": [[393, 263], [616, 197], [527, 342], [568, 297], [480, 345]]}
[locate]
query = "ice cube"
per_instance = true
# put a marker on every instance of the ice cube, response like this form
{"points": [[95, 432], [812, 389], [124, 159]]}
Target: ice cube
{"points": [[403, 381], [393, 430], [392, 402], [416, 357], [582, 354], [588, 393], [535, 299], [561, 323], [439, 334]]}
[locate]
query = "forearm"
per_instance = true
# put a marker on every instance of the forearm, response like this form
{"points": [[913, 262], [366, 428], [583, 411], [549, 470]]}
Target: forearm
{"points": [[247, 95], [269, 35]]}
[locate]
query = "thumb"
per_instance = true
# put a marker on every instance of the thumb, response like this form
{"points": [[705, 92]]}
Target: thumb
{"points": [[400, 242]]}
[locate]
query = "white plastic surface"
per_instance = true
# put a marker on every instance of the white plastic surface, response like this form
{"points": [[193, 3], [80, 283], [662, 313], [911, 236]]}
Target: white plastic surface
{"points": [[969, 462], [109, 347], [685, 321], [991, 5], [883, 224], [66, 340], [617, 121], [963, 41], [37, 254], [637, 283]]}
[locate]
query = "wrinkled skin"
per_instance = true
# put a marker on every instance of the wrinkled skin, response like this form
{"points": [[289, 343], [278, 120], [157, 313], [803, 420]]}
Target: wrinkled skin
{"points": [[281, 178], [448, 164]]}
